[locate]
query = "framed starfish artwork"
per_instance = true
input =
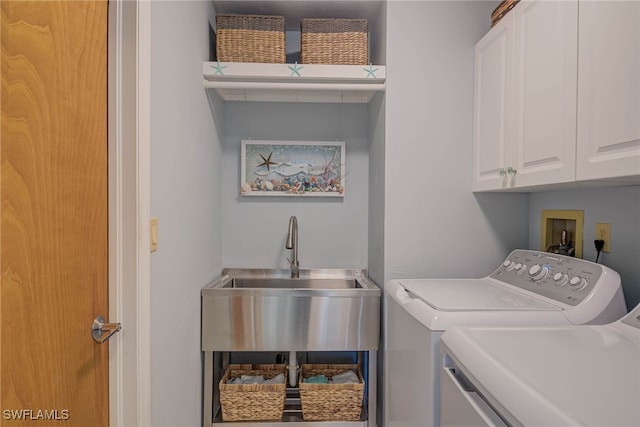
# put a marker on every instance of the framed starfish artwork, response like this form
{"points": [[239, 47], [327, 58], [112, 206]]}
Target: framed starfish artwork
{"points": [[292, 168]]}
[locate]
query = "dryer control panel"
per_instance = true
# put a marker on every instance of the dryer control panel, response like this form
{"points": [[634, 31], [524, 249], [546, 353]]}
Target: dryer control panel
{"points": [[561, 278], [633, 318]]}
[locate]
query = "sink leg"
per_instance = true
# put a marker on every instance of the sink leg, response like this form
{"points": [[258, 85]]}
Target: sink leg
{"points": [[207, 416], [373, 390]]}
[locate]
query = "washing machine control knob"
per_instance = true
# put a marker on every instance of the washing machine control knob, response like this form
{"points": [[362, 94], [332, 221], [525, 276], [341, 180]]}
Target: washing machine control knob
{"points": [[521, 268], [538, 272], [511, 266], [561, 279], [506, 263], [578, 283]]}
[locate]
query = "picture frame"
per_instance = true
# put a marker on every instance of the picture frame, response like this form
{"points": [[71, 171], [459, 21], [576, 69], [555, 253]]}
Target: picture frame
{"points": [[292, 168], [561, 231]]}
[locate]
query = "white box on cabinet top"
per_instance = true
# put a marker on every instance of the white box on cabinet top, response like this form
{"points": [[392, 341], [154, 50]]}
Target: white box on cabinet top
{"points": [[557, 96], [525, 92], [609, 90]]}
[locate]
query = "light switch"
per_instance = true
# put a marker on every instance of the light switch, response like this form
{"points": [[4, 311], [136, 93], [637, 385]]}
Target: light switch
{"points": [[154, 234]]}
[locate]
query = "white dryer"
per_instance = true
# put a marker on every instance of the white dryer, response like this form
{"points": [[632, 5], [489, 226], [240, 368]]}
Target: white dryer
{"points": [[530, 288], [586, 375]]}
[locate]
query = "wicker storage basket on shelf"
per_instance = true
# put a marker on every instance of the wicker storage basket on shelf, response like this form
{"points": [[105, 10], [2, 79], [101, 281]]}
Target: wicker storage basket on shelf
{"points": [[252, 402], [501, 10], [334, 41], [330, 402], [250, 38]]}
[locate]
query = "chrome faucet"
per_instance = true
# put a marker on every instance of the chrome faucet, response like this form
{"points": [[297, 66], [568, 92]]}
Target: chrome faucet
{"points": [[292, 243]]}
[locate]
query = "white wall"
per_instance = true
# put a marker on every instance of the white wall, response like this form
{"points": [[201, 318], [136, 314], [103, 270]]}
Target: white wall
{"points": [[185, 196], [434, 225], [618, 206], [332, 231]]}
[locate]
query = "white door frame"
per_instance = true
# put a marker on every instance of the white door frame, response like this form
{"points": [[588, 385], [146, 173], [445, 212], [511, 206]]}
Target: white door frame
{"points": [[129, 211]]}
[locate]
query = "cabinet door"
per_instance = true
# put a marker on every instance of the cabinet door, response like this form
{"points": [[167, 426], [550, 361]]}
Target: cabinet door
{"points": [[492, 90], [609, 90], [545, 86]]}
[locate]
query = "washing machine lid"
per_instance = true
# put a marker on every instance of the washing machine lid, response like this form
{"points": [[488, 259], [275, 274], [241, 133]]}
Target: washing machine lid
{"points": [[571, 375], [472, 295]]}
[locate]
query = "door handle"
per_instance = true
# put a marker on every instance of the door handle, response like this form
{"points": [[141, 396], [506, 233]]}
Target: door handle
{"points": [[102, 331]]}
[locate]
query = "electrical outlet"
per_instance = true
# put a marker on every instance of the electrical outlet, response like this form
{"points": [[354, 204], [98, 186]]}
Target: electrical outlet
{"points": [[603, 232]]}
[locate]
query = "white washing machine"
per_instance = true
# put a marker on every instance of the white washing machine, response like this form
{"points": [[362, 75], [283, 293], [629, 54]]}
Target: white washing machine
{"points": [[530, 288], [586, 375]]}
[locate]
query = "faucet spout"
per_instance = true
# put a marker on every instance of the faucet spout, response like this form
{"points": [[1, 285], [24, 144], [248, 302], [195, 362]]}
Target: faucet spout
{"points": [[292, 243]]}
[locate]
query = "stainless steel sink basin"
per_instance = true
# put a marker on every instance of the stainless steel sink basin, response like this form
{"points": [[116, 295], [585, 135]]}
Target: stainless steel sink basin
{"points": [[291, 283], [267, 310]]}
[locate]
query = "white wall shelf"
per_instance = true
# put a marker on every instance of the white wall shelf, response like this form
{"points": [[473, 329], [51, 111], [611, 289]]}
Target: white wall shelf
{"points": [[238, 81]]}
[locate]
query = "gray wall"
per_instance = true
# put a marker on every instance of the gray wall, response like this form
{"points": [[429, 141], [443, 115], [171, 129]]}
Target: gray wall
{"points": [[376, 192], [408, 210], [618, 206], [376, 221], [185, 196], [332, 231], [434, 225], [377, 133]]}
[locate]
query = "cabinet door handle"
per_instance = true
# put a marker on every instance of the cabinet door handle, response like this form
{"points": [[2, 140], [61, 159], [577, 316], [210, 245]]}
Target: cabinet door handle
{"points": [[511, 171], [502, 172]]}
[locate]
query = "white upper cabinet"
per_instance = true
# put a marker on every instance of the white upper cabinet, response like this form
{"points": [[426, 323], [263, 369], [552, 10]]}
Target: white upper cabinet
{"points": [[525, 94], [544, 103], [492, 91], [557, 96], [609, 90]]}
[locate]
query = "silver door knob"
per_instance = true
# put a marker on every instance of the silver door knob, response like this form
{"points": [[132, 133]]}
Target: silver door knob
{"points": [[102, 331]]}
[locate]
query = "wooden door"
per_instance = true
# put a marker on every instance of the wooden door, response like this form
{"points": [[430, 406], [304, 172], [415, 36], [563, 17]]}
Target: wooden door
{"points": [[609, 90], [53, 230]]}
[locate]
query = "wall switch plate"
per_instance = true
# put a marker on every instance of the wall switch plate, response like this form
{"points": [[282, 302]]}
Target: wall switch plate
{"points": [[603, 232], [154, 234]]}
